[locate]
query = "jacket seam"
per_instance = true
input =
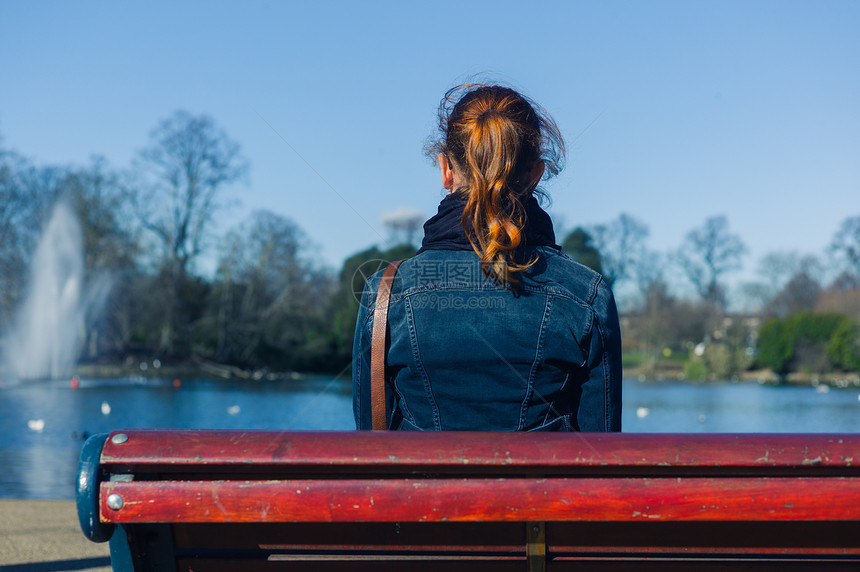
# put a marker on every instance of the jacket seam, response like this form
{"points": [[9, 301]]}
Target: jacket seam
{"points": [[593, 288], [527, 399], [471, 287], [357, 365], [366, 328], [604, 366], [419, 364], [404, 408]]}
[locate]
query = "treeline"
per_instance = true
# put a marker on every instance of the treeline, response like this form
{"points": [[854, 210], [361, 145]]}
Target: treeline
{"points": [[270, 306], [801, 315]]}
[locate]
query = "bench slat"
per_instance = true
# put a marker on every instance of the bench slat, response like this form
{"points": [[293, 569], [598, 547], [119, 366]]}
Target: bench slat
{"points": [[572, 451], [437, 500]]}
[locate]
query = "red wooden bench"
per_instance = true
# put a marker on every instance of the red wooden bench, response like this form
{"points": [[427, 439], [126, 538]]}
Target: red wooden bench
{"points": [[261, 500]]}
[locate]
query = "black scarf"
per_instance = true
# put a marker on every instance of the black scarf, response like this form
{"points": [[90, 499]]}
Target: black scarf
{"points": [[444, 231]]}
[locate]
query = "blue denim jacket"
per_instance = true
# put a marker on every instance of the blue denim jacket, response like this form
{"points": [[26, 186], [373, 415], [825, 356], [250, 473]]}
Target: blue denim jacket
{"points": [[467, 354]]}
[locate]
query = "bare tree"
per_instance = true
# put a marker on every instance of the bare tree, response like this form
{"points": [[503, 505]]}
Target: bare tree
{"points": [[776, 270], [270, 296], [650, 266], [846, 244], [188, 161], [800, 294], [707, 254], [621, 244], [13, 210]]}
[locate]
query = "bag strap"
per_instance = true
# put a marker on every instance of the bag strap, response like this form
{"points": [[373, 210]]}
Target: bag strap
{"points": [[377, 348]]}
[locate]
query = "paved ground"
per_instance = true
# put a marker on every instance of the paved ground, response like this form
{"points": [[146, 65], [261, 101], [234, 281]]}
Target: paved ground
{"points": [[43, 536]]}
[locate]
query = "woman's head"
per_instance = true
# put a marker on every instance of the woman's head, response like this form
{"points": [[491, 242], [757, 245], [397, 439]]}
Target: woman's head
{"points": [[494, 147]]}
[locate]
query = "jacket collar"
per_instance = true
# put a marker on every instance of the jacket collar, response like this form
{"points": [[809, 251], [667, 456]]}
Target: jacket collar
{"points": [[444, 231]]}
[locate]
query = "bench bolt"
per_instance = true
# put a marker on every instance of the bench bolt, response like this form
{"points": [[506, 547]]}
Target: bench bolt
{"points": [[114, 502], [119, 438]]}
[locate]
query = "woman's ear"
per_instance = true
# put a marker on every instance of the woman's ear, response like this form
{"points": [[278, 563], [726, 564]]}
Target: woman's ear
{"points": [[446, 171], [536, 173]]}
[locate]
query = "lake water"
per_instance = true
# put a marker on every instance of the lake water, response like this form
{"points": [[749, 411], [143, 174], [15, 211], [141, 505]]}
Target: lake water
{"points": [[43, 423]]}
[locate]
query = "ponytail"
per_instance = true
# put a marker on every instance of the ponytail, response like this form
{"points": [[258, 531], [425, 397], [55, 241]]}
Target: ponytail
{"points": [[496, 137]]}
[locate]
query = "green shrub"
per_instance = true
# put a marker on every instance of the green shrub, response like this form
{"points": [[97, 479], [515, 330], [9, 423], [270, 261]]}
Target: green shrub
{"points": [[775, 346], [695, 369], [799, 341], [843, 349]]}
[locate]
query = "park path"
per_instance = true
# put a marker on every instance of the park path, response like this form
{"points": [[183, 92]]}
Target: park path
{"points": [[44, 535]]}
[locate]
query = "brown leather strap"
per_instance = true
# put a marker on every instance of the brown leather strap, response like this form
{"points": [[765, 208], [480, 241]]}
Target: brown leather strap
{"points": [[377, 348]]}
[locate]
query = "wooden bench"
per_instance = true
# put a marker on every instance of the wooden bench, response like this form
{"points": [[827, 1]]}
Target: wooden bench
{"points": [[261, 500]]}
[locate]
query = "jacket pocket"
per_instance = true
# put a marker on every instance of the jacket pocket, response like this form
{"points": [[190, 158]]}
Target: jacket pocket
{"points": [[405, 425]]}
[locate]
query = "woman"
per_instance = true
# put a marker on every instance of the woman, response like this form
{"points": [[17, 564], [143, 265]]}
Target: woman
{"points": [[491, 326]]}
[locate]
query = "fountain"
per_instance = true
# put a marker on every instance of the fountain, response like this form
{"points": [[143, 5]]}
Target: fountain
{"points": [[48, 332]]}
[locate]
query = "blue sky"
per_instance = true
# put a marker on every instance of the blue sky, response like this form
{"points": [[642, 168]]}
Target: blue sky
{"points": [[745, 109]]}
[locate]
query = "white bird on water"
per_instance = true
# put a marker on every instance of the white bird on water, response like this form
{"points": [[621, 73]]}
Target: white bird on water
{"points": [[36, 425]]}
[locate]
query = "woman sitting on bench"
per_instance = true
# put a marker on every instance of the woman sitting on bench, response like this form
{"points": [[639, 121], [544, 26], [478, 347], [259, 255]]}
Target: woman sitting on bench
{"points": [[491, 327]]}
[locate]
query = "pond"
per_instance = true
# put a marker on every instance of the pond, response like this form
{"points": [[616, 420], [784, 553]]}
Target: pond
{"points": [[44, 423]]}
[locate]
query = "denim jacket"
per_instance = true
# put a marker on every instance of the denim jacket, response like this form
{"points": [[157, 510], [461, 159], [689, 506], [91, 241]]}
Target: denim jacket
{"points": [[468, 354]]}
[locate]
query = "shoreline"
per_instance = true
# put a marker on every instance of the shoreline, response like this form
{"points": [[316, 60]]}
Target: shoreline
{"points": [[673, 372], [659, 372], [44, 535]]}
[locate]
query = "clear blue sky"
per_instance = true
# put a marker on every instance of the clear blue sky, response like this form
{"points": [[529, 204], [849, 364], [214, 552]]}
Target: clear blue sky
{"points": [[747, 109]]}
